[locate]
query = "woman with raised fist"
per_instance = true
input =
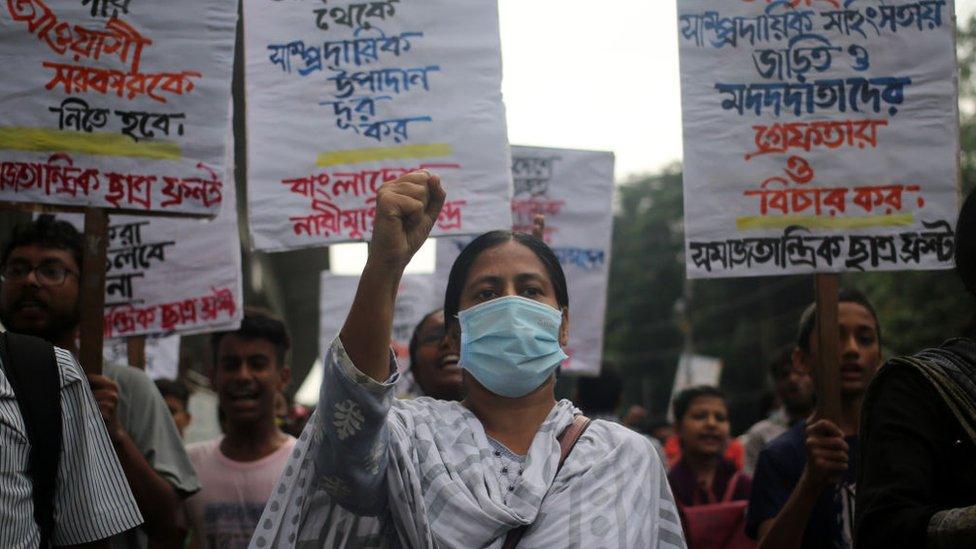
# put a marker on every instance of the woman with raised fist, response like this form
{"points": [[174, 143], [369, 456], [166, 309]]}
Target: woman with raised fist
{"points": [[506, 466]]}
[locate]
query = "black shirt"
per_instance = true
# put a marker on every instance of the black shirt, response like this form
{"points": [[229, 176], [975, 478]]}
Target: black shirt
{"points": [[915, 460], [778, 472]]}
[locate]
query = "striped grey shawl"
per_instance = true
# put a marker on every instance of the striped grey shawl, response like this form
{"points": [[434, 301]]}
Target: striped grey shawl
{"points": [[371, 471]]}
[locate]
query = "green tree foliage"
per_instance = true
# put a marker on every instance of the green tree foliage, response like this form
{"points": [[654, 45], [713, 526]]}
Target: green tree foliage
{"points": [[744, 321], [646, 275]]}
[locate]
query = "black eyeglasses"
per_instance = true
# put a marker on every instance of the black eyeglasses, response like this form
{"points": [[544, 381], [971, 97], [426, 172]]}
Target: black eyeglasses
{"points": [[48, 274]]}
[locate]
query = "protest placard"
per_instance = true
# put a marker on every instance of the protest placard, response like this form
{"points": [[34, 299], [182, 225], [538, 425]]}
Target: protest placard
{"points": [[415, 298], [162, 355], [574, 190], [116, 104], [172, 275], [819, 135], [344, 96]]}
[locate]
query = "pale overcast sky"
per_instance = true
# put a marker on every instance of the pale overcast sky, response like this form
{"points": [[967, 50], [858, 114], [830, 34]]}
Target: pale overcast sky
{"points": [[598, 75]]}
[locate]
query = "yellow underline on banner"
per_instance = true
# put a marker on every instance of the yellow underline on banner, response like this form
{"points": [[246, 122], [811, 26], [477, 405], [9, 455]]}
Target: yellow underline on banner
{"points": [[97, 144], [357, 156], [823, 222]]}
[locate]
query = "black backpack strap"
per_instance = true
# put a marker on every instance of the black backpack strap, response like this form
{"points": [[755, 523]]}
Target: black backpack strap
{"points": [[32, 369]]}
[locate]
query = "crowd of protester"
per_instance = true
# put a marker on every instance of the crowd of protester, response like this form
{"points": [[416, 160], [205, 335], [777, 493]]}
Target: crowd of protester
{"points": [[469, 446]]}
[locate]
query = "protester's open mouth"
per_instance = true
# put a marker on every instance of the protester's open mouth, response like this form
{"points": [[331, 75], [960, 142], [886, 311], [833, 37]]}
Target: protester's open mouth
{"points": [[31, 305], [850, 372], [450, 361], [243, 395], [711, 439]]}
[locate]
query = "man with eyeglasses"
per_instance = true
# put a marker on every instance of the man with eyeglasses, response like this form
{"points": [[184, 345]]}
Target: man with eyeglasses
{"points": [[40, 296]]}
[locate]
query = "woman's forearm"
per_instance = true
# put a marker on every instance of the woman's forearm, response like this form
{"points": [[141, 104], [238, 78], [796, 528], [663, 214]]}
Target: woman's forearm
{"points": [[366, 333]]}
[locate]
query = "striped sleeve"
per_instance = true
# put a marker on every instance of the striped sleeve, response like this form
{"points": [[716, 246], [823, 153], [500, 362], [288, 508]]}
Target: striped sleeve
{"points": [[93, 500]]}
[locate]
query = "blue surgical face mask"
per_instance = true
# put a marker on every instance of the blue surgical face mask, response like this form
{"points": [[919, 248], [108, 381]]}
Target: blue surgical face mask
{"points": [[511, 344]]}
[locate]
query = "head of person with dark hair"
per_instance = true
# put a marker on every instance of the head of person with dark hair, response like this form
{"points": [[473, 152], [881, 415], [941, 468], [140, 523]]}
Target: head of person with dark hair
{"points": [[661, 429], [859, 347], [250, 369], [600, 396], [701, 419], [793, 384], [176, 395], [966, 243], [507, 310], [434, 360], [40, 270]]}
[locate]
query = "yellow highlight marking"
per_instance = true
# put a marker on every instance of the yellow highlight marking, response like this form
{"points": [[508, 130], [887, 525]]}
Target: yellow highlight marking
{"points": [[823, 222], [97, 144], [356, 156]]}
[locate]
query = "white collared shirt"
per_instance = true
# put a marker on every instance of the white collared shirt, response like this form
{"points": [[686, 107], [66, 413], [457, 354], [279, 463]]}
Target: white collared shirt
{"points": [[92, 498]]}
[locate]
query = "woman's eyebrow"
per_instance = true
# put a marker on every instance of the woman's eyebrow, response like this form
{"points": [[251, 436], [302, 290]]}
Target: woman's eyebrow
{"points": [[491, 279], [530, 276]]}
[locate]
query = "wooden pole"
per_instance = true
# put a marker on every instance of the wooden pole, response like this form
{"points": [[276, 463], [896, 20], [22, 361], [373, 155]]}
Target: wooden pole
{"points": [[93, 289], [827, 374], [136, 347]]}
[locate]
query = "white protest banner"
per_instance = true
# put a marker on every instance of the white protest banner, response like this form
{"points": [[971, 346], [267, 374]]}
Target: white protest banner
{"points": [[116, 104], [344, 96], [415, 298], [162, 355], [819, 135], [574, 190], [173, 275]]}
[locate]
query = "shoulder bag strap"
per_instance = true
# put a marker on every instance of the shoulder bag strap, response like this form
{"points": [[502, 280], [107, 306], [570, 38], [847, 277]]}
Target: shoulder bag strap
{"points": [[730, 489], [567, 441], [31, 368]]}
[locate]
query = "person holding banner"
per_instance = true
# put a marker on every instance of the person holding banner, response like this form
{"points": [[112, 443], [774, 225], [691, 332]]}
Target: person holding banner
{"points": [[41, 297], [370, 470], [804, 486], [917, 480]]}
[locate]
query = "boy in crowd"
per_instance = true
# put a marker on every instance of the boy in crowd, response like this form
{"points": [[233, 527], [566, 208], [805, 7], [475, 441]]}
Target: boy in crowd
{"points": [[239, 470], [803, 489]]}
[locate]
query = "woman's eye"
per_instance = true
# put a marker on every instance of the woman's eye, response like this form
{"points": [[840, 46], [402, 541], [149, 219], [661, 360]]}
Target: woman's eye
{"points": [[531, 292], [485, 294]]}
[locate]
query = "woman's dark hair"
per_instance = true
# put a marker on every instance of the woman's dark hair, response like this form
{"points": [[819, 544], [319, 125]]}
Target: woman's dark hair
{"points": [[966, 243], [415, 338], [684, 399], [462, 265], [808, 321]]}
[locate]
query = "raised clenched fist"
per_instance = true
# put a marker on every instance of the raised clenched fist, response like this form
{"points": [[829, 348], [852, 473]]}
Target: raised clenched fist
{"points": [[406, 210]]}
